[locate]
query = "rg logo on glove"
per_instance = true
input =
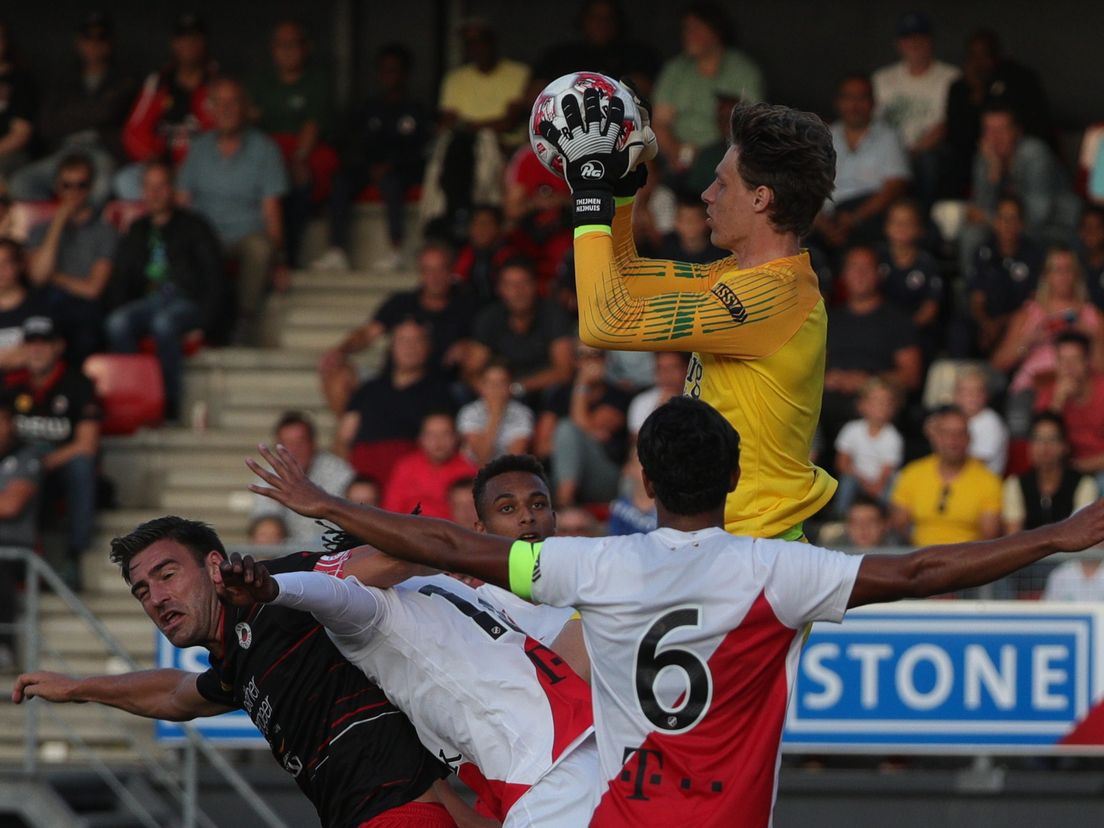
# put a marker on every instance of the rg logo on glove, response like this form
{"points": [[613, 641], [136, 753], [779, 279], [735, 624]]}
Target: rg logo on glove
{"points": [[592, 169]]}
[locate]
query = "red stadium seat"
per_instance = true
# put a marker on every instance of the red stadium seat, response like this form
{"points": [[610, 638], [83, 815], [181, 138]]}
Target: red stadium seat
{"points": [[192, 345], [371, 194], [121, 214], [130, 388]]}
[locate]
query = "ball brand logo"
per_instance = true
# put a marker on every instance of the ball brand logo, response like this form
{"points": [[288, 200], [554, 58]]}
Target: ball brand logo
{"points": [[592, 169], [244, 634]]}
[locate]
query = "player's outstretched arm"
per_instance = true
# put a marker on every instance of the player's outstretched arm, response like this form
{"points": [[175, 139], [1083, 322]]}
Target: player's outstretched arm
{"points": [[156, 694], [939, 569], [440, 544]]}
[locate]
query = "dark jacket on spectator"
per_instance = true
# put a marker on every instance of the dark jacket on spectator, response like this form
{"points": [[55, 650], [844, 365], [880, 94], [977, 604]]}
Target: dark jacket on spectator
{"points": [[71, 107], [195, 263]]}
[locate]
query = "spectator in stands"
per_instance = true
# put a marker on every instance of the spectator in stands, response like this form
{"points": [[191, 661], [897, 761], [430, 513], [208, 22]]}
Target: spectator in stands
{"points": [[268, 530], [988, 77], [576, 522], [1012, 163], [670, 378], [872, 169], [1096, 178], [867, 337], [532, 334], [70, 258], [1050, 490], [1060, 304], [633, 511], [948, 496], [234, 177], [171, 108], [7, 214], [384, 146], [911, 96], [478, 262], [167, 281], [424, 476], [867, 524], [1077, 395], [869, 450], [17, 303], [1003, 275], [703, 169], [537, 209], [380, 423], [363, 490], [690, 241], [20, 482], [582, 428], [1090, 235], [438, 303], [462, 503], [604, 46], [1081, 581], [83, 112], [988, 433], [17, 108], [58, 415], [482, 107], [292, 106], [684, 117], [295, 431], [910, 274], [495, 424]]}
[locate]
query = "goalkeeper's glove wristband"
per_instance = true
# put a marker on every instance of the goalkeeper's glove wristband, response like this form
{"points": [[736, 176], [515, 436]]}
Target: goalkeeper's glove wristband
{"points": [[592, 207]]}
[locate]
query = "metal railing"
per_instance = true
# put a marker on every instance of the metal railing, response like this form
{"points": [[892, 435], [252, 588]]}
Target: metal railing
{"points": [[182, 784]]}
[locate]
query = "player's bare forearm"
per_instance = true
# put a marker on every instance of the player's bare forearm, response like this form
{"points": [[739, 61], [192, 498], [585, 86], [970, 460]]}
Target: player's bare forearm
{"points": [[155, 694], [938, 569]]}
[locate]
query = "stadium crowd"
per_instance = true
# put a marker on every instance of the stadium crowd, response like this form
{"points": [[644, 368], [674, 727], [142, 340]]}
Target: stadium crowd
{"points": [[961, 260]]}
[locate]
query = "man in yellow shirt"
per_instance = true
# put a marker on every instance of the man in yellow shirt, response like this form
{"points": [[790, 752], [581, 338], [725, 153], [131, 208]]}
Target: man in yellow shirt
{"points": [[948, 496], [755, 320]]}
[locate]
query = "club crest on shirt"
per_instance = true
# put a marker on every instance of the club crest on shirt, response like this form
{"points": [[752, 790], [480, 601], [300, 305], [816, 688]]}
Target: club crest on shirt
{"points": [[731, 301], [244, 634]]}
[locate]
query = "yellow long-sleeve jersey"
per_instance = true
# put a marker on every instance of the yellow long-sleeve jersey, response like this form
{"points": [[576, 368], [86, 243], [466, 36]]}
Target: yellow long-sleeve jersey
{"points": [[758, 337]]}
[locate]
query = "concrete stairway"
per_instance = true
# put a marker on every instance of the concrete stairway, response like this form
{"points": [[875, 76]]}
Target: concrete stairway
{"points": [[232, 398]]}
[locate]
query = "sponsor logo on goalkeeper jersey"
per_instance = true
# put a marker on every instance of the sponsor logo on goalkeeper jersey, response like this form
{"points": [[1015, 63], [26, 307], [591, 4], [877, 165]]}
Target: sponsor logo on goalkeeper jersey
{"points": [[731, 301]]}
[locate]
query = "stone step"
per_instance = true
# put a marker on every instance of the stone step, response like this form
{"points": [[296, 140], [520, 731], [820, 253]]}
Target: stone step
{"points": [[314, 337], [235, 502], [351, 282], [67, 634], [259, 421], [339, 315], [113, 522], [253, 359]]}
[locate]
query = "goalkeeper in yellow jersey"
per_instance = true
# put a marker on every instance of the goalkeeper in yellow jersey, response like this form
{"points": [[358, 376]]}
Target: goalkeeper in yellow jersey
{"points": [[755, 320]]}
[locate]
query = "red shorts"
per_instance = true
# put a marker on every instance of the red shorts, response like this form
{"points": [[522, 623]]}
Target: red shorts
{"points": [[413, 815]]}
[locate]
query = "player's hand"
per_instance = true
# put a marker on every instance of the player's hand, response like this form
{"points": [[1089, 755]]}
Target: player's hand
{"points": [[242, 582], [288, 483], [589, 141], [645, 138], [53, 687], [1081, 530]]}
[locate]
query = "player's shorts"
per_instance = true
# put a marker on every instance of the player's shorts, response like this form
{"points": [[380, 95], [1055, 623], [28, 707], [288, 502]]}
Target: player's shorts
{"points": [[567, 795], [413, 815]]}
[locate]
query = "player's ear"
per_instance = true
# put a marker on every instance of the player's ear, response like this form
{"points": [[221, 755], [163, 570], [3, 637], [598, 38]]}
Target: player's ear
{"points": [[762, 199], [211, 562], [735, 479]]}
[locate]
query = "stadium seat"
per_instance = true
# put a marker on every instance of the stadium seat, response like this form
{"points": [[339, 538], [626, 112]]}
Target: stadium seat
{"points": [[371, 194], [121, 214], [130, 388], [192, 345]]}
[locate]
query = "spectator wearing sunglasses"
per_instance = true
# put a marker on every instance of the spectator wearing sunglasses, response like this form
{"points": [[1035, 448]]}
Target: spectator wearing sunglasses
{"points": [[70, 258], [948, 496]]}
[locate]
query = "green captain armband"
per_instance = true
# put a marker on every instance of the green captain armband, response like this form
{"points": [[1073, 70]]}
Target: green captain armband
{"points": [[524, 562]]}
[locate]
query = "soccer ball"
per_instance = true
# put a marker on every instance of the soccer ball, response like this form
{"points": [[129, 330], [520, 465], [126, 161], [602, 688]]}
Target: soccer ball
{"points": [[548, 107]]}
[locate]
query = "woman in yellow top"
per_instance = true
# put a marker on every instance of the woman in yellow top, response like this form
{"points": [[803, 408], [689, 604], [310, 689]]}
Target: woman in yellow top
{"points": [[755, 320]]}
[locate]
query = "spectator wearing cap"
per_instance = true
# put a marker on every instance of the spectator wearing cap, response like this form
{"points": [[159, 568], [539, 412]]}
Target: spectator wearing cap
{"points": [[167, 281], [684, 117], [171, 107], [872, 169], [17, 303], [82, 112], [291, 101], [234, 177], [57, 414], [70, 257], [295, 432], [20, 482], [948, 496], [911, 96], [17, 108]]}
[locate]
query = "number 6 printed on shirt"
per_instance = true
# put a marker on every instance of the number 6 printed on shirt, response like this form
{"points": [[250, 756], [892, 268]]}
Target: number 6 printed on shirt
{"points": [[651, 661]]}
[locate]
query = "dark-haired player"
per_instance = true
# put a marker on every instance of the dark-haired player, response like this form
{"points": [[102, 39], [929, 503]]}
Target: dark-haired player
{"points": [[351, 751], [755, 319], [694, 634]]}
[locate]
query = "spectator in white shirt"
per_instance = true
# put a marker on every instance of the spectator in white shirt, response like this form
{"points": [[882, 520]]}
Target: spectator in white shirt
{"points": [[494, 424], [869, 450], [670, 378], [1076, 581], [988, 432]]}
